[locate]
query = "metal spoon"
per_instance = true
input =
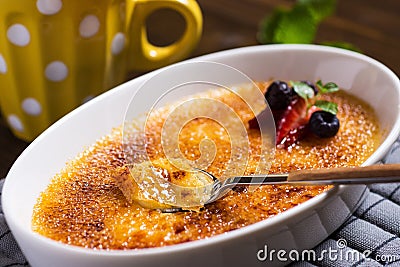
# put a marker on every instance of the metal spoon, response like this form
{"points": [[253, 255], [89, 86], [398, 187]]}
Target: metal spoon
{"points": [[386, 173]]}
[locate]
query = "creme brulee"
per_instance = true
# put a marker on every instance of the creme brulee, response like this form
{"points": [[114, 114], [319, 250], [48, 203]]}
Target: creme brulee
{"points": [[83, 205]]}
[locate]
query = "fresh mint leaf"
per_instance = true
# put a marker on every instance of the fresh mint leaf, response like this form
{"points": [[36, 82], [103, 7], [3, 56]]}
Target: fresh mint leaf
{"points": [[296, 26], [329, 87], [320, 9], [327, 106], [269, 25], [303, 90]]}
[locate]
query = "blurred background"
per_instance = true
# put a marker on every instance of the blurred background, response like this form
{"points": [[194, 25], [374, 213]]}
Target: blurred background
{"points": [[372, 26], [369, 26]]}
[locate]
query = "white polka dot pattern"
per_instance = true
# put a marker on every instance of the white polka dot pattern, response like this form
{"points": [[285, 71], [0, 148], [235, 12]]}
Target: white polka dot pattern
{"points": [[118, 43], [89, 26], [15, 123], [56, 71], [31, 106], [3, 65], [49, 7], [19, 35]]}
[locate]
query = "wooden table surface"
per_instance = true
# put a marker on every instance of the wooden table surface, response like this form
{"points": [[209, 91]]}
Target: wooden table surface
{"points": [[373, 26]]}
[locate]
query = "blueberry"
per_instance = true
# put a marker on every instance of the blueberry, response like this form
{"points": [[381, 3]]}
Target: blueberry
{"points": [[312, 86], [324, 124], [278, 95]]}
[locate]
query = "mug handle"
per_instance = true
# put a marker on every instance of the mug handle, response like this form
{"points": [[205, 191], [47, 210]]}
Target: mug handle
{"points": [[145, 56]]}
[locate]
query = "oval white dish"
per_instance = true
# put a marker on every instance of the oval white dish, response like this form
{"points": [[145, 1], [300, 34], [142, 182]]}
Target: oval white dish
{"points": [[301, 227]]}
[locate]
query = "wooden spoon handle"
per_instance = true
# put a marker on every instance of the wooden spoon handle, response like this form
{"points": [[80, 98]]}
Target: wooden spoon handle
{"points": [[368, 174]]}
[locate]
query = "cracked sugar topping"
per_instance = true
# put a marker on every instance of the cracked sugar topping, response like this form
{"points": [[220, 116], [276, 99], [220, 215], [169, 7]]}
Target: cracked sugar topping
{"points": [[83, 206]]}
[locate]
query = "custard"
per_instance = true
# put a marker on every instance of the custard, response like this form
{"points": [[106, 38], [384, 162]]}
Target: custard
{"points": [[84, 206]]}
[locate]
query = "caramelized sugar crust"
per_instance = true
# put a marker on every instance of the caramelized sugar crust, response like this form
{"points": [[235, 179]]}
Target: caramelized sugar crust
{"points": [[83, 205]]}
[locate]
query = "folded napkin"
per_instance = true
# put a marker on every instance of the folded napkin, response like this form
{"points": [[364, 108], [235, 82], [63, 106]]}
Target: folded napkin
{"points": [[10, 254], [370, 237]]}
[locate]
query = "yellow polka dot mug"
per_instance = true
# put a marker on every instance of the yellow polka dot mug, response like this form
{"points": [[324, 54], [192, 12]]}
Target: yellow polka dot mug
{"points": [[57, 54]]}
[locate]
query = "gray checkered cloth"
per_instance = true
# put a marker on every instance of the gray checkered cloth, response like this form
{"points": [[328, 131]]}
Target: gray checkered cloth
{"points": [[371, 237]]}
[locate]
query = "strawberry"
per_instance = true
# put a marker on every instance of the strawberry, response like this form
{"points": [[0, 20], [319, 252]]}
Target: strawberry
{"points": [[311, 110], [292, 122], [292, 119]]}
